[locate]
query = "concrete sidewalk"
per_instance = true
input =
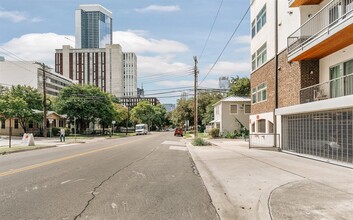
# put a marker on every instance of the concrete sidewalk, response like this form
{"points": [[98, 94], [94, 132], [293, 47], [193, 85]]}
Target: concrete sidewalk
{"points": [[257, 184]]}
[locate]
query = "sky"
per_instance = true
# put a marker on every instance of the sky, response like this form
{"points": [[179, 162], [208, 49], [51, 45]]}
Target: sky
{"points": [[164, 34]]}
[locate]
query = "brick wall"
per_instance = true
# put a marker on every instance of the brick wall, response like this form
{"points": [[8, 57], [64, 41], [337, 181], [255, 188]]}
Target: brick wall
{"points": [[292, 76], [266, 73]]}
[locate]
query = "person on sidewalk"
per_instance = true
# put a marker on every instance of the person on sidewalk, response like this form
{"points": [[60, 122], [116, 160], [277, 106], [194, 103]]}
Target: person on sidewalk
{"points": [[62, 135]]}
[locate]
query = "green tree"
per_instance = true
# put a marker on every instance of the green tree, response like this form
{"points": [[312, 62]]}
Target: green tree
{"points": [[205, 108], [85, 103], [121, 113], [239, 86], [160, 115], [19, 102], [143, 112], [183, 112]]}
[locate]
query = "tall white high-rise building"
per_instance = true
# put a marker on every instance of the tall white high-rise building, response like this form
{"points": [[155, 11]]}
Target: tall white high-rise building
{"points": [[130, 74], [93, 26]]}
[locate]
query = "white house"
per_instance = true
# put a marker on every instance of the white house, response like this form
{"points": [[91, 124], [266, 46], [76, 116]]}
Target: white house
{"points": [[231, 113]]}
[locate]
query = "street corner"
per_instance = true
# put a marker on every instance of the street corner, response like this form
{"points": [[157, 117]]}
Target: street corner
{"points": [[310, 200]]}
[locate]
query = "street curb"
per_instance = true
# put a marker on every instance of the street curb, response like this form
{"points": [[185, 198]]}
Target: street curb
{"points": [[39, 148], [219, 199]]}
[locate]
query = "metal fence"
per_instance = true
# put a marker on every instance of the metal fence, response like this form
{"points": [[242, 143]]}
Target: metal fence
{"points": [[262, 140], [334, 88], [321, 22], [328, 134]]}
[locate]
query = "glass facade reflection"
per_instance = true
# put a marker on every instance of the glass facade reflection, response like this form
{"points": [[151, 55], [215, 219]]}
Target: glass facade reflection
{"points": [[95, 28]]}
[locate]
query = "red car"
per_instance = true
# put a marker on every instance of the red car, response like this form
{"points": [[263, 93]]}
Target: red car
{"points": [[178, 132]]}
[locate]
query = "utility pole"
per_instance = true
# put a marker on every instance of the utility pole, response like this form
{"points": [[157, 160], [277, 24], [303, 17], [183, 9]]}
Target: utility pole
{"points": [[43, 67], [195, 96]]}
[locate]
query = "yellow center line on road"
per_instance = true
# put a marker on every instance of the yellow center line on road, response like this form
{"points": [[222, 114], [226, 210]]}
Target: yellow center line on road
{"points": [[46, 163]]}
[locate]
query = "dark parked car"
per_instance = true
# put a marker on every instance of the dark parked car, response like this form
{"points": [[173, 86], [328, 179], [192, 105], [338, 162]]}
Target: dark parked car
{"points": [[178, 132]]}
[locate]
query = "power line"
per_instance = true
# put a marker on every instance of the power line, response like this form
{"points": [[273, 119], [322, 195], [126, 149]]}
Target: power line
{"points": [[209, 34], [231, 37]]}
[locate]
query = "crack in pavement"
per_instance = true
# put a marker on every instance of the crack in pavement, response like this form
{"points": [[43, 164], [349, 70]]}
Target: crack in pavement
{"points": [[93, 193]]}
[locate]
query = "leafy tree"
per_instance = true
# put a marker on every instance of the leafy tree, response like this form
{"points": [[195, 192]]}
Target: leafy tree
{"points": [[239, 86], [205, 108], [86, 103], [183, 112], [159, 119], [121, 113], [143, 112], [19, 102]]}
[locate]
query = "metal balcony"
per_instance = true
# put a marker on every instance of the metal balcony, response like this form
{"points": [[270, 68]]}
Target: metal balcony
{"points": [[342, 86], [297, 3], [326, 32]]}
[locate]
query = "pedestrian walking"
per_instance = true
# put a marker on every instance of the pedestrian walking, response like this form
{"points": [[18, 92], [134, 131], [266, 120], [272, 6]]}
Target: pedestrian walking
{"points": [[62, 135]]}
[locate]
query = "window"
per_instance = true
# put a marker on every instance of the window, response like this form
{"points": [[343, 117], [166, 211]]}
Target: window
{"points": [[258, 22], [259, 57], [270, 127], [2, 124], [261, 19], [247, 109], [253, 127], [253, 29], [259, 93], [253, 94], [253, 62], [261, 126], [233, 109]]}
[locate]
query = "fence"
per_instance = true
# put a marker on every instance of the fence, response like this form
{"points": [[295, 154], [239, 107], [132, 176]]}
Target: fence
{"points": [[321, 22], [264, 140]]}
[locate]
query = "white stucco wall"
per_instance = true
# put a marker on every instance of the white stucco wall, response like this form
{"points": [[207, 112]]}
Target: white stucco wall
{"points": [[267, 32], [19, 73], [288, 22]]}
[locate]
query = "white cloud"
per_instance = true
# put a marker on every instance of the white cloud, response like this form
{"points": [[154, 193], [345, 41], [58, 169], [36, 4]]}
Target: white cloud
{"points": [[244, 39], [37, 47], [137, 42], [161, 64], [229, 68], [14, 16], [41, 47], [181, 83], [17, 16], [158, 8], [36, 19]]}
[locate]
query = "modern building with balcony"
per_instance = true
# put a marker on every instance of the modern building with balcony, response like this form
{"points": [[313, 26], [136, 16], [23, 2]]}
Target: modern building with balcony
{"points": [[307, 95]]}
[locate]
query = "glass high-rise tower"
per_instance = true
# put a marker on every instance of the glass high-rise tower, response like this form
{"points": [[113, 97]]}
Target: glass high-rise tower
{"points": [[93, 26]]}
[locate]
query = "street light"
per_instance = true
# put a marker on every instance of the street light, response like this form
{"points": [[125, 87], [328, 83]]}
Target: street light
{"points": [[113, 123]]}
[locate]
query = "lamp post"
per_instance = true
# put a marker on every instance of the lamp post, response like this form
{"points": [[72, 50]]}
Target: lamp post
{"points": [[51, 126], [113, 123]]}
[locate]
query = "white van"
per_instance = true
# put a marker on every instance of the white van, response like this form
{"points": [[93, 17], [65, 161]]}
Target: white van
{"points": [[141, 129]]}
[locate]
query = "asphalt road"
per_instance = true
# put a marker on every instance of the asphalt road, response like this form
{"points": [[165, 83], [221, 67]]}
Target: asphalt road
{"points": [[142, 177]]}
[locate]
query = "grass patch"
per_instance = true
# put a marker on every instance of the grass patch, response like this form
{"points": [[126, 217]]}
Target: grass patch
{"points": [[200, 142], [6, 149]]}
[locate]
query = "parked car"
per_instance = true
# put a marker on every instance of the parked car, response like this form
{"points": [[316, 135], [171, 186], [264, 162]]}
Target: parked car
{"points": [[178, 132]]}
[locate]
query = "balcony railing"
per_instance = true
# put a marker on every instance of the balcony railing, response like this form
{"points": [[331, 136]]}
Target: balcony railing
{"points": [[341, 86], [320, 23]]}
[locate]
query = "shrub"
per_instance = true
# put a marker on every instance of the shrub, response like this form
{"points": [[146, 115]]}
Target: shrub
{"points": [[229, 135], [214, 132], [55, 131], [200, 142]]}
